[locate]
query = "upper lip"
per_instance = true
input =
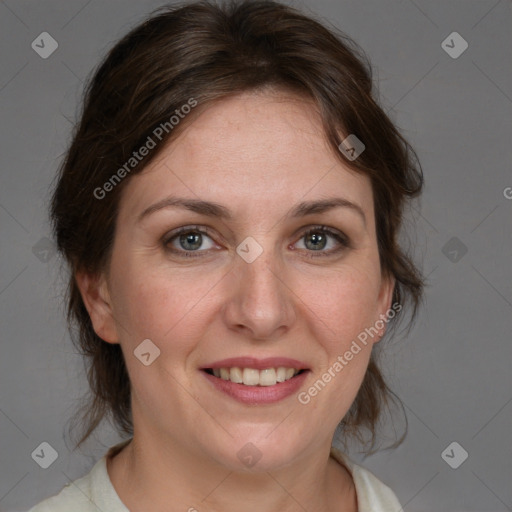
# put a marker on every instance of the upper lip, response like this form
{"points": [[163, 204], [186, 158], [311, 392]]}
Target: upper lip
{"points": [[257, 364]]}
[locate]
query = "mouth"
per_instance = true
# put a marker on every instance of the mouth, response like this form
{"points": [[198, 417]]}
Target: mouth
{"points": [[255, 381], [254, 377]]}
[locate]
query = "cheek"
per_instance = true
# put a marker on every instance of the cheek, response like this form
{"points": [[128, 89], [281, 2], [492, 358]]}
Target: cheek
{"points": [[340, 312], [157, 303], [344, 303], [155, 306]]}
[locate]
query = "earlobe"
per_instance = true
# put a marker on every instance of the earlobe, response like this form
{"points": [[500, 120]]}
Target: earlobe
{"points": [[96, 298]]}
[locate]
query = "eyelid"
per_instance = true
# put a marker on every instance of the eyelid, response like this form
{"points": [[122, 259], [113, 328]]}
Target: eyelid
{"points": [[325, 229], [204, 230], [344, 242]]}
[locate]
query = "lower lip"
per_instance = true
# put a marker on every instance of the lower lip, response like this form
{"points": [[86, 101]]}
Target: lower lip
{"points": [[256, 395]]}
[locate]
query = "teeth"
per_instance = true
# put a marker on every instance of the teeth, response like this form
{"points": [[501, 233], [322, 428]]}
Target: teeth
{"points": [[236, 375], [253, 377], [281, 374], [268, 377]]}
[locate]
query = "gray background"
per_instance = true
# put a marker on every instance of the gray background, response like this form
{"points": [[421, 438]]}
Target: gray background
{"points": [[452, 372]]}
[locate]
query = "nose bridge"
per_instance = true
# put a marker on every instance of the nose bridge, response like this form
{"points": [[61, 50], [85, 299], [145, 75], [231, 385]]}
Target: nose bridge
{"points": [[260, 301], [259, 277]]}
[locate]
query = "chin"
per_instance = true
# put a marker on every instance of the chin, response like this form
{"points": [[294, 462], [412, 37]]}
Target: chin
{"points": [[258, 455]]}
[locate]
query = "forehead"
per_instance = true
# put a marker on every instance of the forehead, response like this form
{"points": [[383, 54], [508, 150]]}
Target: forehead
{"points": [[254, 150]]}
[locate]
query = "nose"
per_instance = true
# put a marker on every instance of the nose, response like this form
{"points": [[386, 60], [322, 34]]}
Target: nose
{"points": [[261, 302]]}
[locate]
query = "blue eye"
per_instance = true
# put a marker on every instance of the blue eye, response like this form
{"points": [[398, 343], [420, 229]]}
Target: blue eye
{"points": [[187, 241]]}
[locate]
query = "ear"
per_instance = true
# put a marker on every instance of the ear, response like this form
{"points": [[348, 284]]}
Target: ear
{"points": [[96, 298], [384, 304]]}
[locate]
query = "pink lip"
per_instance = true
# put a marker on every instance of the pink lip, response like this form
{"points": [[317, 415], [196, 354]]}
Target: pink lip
{"points": [[258, 395], [258, 364]]}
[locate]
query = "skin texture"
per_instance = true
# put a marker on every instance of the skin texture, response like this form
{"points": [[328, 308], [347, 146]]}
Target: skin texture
{"points": [[258, 154]]}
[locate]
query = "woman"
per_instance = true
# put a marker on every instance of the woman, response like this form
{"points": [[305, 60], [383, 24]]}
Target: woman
{"points": [[229, 208]]}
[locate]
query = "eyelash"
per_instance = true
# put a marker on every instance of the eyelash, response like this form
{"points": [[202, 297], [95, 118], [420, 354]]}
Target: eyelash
{"points": [[342, 239]]}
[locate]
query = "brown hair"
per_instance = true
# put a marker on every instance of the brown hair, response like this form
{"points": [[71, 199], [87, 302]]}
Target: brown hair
{"points": [[207, 51]]}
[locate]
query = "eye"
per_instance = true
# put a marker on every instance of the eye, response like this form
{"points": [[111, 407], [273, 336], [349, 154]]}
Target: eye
{"points": [[318, 237], [187, 240]]}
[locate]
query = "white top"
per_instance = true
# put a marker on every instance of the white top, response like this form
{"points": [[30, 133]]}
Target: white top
{"points": [[95, 491]]}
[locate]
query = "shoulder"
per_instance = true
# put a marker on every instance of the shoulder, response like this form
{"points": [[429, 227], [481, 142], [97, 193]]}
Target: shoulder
{"points": [[87, 494], [74, 496], [372, 494]]}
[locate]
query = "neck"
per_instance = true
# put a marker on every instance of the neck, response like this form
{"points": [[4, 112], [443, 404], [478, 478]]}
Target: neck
{"points": [[171, 475]]}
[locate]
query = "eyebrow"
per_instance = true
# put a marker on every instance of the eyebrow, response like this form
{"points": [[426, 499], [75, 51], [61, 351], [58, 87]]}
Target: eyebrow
{"points": [[212, 209]]}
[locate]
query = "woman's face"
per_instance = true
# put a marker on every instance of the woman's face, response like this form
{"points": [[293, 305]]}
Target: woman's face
{"points": [[244, 280]]}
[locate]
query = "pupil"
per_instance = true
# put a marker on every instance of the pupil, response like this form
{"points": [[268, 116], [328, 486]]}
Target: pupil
{"points": [[318, 238], [190, 238]]}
